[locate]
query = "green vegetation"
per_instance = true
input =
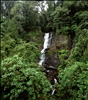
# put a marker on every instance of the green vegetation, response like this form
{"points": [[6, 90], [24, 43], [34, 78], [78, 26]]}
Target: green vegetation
{"points": [[22, 80], [73, 82], [22, 27]]}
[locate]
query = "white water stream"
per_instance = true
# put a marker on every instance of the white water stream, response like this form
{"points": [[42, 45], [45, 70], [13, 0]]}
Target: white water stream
{"points": [[55, 81], [47, 41], [53, 92]]}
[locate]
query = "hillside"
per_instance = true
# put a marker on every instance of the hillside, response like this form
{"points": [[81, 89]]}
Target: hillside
{"points": [[63, 74]]}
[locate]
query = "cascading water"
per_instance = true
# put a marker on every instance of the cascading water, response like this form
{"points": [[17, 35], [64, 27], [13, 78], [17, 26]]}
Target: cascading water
{"points": [[55, 80], [47, 41]]}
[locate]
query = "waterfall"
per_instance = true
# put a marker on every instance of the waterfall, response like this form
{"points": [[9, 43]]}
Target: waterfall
{"points": [[47, 41], [53, 92], [46, 45], [55, 81]]}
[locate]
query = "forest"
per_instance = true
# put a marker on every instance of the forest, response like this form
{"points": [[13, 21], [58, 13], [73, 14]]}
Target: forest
{"points": [[63, 75]]}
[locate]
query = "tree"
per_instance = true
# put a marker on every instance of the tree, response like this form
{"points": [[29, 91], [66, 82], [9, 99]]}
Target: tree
{"points": [[6, 8], [25, 14]]}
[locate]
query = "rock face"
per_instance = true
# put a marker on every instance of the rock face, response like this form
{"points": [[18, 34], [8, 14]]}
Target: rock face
{"points": [[58, 43], [52, 60], [64, 42]]}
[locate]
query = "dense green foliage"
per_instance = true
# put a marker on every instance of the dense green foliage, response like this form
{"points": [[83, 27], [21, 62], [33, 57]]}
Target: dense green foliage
{"points": [[73, 19], [74, 82], [22, 80], [22, 27]]}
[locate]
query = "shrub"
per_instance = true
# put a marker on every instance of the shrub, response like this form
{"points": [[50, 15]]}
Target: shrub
{"points": [[20, 81], [28, 51], [63, 55], [74, 82], [80, 47], [7, 44]]}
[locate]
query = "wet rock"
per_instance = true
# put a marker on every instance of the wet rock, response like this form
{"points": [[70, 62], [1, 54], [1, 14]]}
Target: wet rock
{"points": [[52, 75], [51, 67], [69, 42], [52, 62]]}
